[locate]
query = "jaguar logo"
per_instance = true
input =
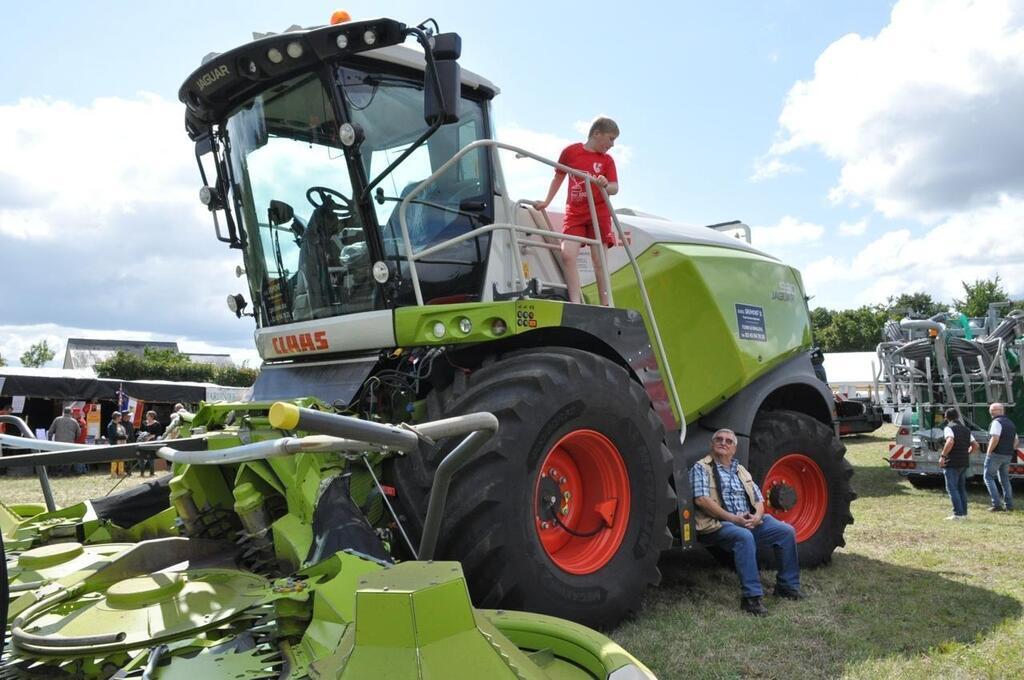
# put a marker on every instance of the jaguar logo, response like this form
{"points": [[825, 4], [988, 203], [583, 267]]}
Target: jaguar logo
{"points": [[210, 77], [784, 292]]}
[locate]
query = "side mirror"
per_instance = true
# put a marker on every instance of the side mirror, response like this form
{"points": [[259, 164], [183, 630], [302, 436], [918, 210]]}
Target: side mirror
{"points": [[280, 212], [443, 106]]}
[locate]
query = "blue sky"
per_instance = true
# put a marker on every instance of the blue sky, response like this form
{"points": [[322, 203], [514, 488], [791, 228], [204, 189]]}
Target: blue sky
{"points": [[872, 144]]}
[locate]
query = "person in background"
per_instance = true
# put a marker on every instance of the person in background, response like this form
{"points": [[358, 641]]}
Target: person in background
{"points": [[173, 430], [150, 430], [116, 435], [954, 461], [83, 434], [129, 426], [1002, 446], [64, 429], [5, 410]]}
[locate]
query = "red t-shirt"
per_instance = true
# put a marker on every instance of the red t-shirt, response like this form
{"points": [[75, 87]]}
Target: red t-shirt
{"points": [[577, 209]]}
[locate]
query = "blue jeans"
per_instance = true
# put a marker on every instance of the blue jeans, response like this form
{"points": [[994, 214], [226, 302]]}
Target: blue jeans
{"points": [[743, 544], [998, 465], [956, 487]]}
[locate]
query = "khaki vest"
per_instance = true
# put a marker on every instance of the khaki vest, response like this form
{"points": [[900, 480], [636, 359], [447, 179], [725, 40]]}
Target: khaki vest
{"points": [[706, 524]]}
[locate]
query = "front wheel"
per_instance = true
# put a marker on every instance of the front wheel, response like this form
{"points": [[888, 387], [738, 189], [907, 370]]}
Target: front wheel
{"points": [[564, 511], [801, 468]]}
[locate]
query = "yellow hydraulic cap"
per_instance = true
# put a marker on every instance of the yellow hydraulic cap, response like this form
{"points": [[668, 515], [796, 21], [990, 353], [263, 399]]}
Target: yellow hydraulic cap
{"points": [[284, 416]]}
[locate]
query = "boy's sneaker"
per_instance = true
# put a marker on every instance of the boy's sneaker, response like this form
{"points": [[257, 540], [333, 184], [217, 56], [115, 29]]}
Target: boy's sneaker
{"points": [[753, 605], [995, 508]]}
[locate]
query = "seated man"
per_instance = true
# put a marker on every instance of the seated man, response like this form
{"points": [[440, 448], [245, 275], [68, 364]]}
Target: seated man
{"points": [[730, 515]]}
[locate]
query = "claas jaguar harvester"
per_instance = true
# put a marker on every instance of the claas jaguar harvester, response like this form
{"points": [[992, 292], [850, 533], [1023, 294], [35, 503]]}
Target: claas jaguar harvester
{"points": [[541, 447]]}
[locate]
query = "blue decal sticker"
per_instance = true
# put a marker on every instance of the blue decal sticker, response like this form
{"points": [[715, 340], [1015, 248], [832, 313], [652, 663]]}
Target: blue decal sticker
{"points": [[750, 322]]}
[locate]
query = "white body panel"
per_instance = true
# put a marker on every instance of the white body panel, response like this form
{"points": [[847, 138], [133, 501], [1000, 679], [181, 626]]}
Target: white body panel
{"points": [[350, 333]]}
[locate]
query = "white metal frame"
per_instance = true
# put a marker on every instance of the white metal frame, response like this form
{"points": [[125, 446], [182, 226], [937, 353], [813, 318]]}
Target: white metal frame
{"points": [[516, 231]]}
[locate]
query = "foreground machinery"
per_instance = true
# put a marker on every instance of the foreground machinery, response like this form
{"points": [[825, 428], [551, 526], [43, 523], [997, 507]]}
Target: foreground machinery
{"points": [[949, 361], [393, 279], [264, 563]]}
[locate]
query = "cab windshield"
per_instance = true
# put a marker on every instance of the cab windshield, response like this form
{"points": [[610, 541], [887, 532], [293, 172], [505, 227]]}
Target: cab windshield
{"points": [[305, 208]]}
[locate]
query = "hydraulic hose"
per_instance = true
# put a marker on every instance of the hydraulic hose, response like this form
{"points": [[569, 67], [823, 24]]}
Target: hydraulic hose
{"points": [[50, 644]]}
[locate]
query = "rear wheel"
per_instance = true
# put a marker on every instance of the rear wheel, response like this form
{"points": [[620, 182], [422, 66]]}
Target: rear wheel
{"points": [[800, 466], [564, 511]]}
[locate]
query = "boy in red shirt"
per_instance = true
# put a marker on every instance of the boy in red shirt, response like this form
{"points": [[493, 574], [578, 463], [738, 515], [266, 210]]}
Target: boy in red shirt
{"points": [[593, 159]]}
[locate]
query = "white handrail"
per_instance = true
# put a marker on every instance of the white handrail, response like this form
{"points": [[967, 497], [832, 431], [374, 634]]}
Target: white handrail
{"points": [[513, 228]]}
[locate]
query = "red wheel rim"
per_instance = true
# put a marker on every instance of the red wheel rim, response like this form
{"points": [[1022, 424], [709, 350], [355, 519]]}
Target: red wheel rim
{"points": [[805, 478], [585, 472]]}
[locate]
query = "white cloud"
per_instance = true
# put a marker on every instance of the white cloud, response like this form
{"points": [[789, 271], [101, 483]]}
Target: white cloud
{"points": [[768, 167], [853, 228], [924, 117], [980, 244], [101, 227], [788, 232]]}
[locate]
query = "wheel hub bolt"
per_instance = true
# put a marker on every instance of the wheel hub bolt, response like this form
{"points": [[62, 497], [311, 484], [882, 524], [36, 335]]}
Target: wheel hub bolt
{"points": [[561, 480], [544, 525]]}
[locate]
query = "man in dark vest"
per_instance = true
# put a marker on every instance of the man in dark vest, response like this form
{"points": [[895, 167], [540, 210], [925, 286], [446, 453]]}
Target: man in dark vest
{"points": [[954, 461], [1002, 447], [730, 515]]}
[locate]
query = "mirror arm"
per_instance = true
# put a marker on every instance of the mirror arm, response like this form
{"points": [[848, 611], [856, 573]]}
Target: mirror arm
{"points": [[428, 55]]}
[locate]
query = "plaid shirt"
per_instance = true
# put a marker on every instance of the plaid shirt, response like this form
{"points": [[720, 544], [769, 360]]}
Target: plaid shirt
{"points": [[733, 495]]}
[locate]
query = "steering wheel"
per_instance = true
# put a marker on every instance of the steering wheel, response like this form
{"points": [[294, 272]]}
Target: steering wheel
{"points": [[326, 195]]}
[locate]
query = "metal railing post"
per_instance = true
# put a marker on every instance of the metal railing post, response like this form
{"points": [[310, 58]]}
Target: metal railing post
{"points": [[44, 478]]}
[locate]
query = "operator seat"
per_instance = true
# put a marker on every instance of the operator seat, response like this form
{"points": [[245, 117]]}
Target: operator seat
{"points": [[313, 289]]}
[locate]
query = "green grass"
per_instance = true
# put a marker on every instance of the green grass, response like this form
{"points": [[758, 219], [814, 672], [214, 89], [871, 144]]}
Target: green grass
{"points": [[910, 596], [66, 490]]}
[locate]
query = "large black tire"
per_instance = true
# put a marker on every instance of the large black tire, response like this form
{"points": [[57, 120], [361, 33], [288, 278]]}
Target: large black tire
{"points": [[804, 456], [491, 520]]}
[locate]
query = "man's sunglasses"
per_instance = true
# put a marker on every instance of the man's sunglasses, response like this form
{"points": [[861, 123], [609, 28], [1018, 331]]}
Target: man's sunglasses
{"points": [[723, 440]]}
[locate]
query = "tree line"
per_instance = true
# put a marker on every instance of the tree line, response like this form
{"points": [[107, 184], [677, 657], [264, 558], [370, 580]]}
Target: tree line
{"points": [[860, 329], [167, 364], [154, 364]]}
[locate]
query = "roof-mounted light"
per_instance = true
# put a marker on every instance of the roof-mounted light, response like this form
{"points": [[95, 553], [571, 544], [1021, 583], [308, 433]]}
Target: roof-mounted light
{"points": [[294, 50], [340, 16], [341, 41], [274, 55], [370, 37]]}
